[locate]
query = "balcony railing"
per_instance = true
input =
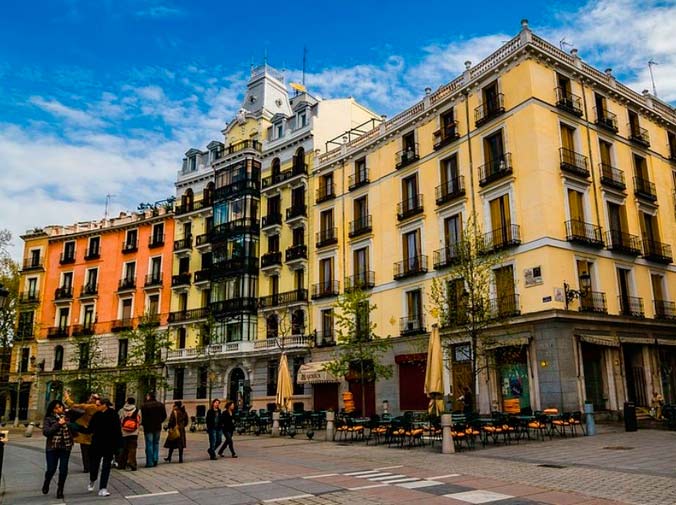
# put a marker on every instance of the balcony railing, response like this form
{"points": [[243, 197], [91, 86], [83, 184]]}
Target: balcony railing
{"points": [[657, 251], [500, 238], [325, 338], [235, 266], [67, 258], [130, 246], [360, 226], [327, 237], [273, 258], [638, 135], [58, 332], [29, 297], [81, 330], [665, 309], [413, 265], [574, 163], [568, 102], [325, 192], [183, 243], [613, 177], [410, 207], [92, 253], [271, 220], [593, 301], [155, 241], [89, 290], [325, 289], [645, 189], [126, 283], [606, 119], [358, 179], [412, 325], [489, 109], [504, 306], [447, 256], [182, 279], [286, 298], [624, 243], [296, 211], [495, 170], [63, 293], [203, 275], [631, 306], [450, 190], [193, 206], [234, 305], [361, 280], [204, 239], [584, 233], [153, 279], [446, 135], [124, 324], [32, 264], [274, 179], [181, 316], [407, 156], [296, 252]]}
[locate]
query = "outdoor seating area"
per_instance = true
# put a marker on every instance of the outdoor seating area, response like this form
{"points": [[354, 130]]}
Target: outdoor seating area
{"points": [[260, 422]]}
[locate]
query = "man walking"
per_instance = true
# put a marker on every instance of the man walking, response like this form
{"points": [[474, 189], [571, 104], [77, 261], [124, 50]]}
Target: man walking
{"points": [[214, 427], [106, 439], [153, 414], [130, 420], [84, 437]]}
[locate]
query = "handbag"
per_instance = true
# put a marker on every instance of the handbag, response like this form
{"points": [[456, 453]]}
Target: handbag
{"points": [[174, 433]]}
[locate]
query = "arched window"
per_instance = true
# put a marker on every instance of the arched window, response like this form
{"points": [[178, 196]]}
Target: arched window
{"points": [[272, 326], [275, 166], [187, 200], [298, 322], [299, 159], [208, 194], [58, 358]]}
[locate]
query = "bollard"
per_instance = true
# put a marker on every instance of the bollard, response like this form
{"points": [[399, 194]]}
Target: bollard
{"points": [[589, 418], [330, 432], [275, 424], [447, 446], [29, 430]]}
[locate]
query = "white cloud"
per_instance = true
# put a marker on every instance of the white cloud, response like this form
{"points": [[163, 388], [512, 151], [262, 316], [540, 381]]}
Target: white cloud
{"points": [[70, 114]]}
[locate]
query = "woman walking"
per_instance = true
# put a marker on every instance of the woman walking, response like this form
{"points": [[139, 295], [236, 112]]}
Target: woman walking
{"points": [[106, 439], [59, 444], [228, 427], [178, 420], [214, 427]]}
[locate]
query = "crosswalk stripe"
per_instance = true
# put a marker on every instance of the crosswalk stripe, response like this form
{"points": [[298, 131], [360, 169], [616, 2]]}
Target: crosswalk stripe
{"points": [[386, 478], [366, 487], [421, 483], [362, 472], [443, 476], [407, 479], [380, 474], [388, 467]]}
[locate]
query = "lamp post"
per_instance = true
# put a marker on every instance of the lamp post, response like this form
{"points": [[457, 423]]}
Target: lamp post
{"points": [[572, 294]]}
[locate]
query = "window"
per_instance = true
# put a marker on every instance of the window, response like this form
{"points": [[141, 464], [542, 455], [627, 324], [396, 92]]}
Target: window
{"points": [[67, 281], [326, 222], [298, 322], [505, 292], [649, 227], [449, 175], [412, 248], [298, 236], [64, 313], [327, 325], [179, 374], [94, 247], [624, 290], [273, 243], [274, 284], [494, 151], [413, 310], [617, 219], [91, 281], [183, 302], [501, 221], [156, 269], [279, 130], [129, 273], [35, 258], [193, 162], [299, 279], [361, 174], [564, 85], [203, 382], [122, 351], [325, 187], [88, 317], [32, 290], [25, 326], [69, 251], [158, 234], [657, 282], [298, 198], [568, 138], [298, 389], [452, 231], [272, 326], [58, 358], [360, 259], [576, 207], [299, 159], [409, 193], [361, 209], [125, 312], [301, 119], [274, 205], [153, 305], [25, 358], [131, 239], [83, 355], [447, 120], [641, 168], [605, 149], [325, 273], [671, 139], [491, 98], [633, 123], [601, 110], [273, 367]]}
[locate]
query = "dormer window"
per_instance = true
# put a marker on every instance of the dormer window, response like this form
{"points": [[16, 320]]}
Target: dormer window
{"points": [[279, 130], [301, 119], [192, 162]]}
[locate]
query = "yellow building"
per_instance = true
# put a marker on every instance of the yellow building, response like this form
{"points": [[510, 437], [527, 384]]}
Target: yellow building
{"points": [[571, 176]]}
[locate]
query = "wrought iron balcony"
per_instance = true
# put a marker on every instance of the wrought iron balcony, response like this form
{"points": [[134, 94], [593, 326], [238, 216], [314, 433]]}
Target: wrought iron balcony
{"points": [[33, 264], [325, 289], [296, 252], [325, 338], [624, 243], [501, 238], [412, 325], [593, 301], [242, 225], [447, 256], [63, 293], [81, 330], [181, 316], [271, 220], [606, 119], [657, 251], [358, 179], [407, 156], [232, 267], [410, 266], [183, 244], [490, 109], [665, 309], [504, 306], [182, 279], [325, 192], [584, 233], [193, 206], [29, 297], [631, 306], [568, 102], [204, 239], [296, 211], [361, 280], [92, 253], [450, 190], [243, 145], [272, 180], [446, 135], [234, 305], [58, 332], [241, 184], [67, 258], [130, 246], [638, 135], [153, 280], [360, 226], [410, 207], [155, 241], [124, 324], [89, 290], [285, 298], [612, 177], [645, 189], [327, 237], [271, 259], [574, 163], [495, 170], [126, 283], [203, 275]]}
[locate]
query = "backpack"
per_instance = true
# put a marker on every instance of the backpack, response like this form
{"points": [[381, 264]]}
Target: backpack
{"points": [[130, 423]]}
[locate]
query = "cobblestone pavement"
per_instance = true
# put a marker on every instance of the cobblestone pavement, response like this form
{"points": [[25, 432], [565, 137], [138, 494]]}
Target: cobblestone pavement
{"points": [[609, 469]]}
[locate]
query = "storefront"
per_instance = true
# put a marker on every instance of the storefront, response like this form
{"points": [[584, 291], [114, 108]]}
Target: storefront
{"points": [[324, 385], [411, 370], [509, 371], [666, 350]]}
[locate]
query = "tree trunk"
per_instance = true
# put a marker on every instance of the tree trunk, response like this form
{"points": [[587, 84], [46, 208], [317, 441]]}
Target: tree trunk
{"points": [[363, 390]]}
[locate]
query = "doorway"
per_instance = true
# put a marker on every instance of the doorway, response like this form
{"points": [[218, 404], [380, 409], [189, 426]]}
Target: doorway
{"points": [[634, 373], [236, 388], [592, 363]]}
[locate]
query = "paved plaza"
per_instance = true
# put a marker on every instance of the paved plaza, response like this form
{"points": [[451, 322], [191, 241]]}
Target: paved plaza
{"points": [[611, 468]]}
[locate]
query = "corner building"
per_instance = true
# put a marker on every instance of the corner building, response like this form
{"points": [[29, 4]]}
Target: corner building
{"points": [[572, 176]]}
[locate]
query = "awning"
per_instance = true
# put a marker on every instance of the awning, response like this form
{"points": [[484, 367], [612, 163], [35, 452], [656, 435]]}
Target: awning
{"points": [[507, 342], [637, 340], [666, 341], [600, 340], [314, 373]]}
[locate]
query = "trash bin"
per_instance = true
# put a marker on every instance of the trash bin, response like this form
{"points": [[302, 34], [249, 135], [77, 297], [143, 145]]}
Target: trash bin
{"points": [[630, 422]]}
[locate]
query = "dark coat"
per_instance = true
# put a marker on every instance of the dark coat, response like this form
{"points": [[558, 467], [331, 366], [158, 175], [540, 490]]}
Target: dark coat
{"points": [[59, 436], [227, 422], [178, 418], [106, 432], [213, 419], [153, 414]]}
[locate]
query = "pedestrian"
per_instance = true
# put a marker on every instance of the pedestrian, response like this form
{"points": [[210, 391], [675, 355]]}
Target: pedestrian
{"points": [[59, 443], [214, 427], [176, 439], [106, 439], [153, 414], [228, 427], [130, 420], [83, 435]]}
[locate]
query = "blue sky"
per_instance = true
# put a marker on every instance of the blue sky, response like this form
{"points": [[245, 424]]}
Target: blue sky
{"points": [[105, 96]]}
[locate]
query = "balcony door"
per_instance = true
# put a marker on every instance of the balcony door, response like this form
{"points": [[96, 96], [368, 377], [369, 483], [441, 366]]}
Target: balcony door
{"points": [[298, 197], [67, 282], [585, 277], [568, 138], [605, 148], [325, 274], [326, 223], [494, 151], [490, 96], [92, 279], [413, 310], [501, 220], [449, 175], [623, 288], [617, 219], [274, 205], [156, 268], [125, 313], [505, 289], [361, 210], [409, 192], [360, 258], [412, 250], [641, 168], [64, 313], [657, 282], [88, 317], [452, 231], [649, 228], [576, 209]]}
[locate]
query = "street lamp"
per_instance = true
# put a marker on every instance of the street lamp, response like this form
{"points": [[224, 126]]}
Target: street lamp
{"points": [[572, 294]]}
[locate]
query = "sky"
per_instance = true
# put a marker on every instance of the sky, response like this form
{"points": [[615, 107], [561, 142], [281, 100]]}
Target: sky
{"points": [[104, 97]]}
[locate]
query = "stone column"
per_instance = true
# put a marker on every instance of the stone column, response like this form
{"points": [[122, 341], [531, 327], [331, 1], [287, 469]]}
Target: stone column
{"points": [[275, 424], [447, 446], [330, 431]]}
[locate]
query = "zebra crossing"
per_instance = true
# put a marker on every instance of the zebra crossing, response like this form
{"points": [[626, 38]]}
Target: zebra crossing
{"points": [[383, 478]]}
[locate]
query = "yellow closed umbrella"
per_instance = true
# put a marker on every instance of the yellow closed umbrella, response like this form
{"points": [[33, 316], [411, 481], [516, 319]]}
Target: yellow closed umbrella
{"points": [[434, 374], [284, 386]]}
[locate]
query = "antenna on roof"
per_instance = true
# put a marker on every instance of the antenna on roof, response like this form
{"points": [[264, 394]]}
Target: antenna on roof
{"points": [[265, 57], [304, 63], [563, 43], [651, 63], [109, 197]]}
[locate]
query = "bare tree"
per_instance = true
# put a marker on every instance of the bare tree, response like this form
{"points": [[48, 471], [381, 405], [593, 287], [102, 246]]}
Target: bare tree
{"points": [[89, 363]]}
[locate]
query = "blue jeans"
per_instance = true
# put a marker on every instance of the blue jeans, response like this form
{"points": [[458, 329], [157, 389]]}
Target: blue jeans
{"points": [[152, 439], [57, 457], [215, 438]]}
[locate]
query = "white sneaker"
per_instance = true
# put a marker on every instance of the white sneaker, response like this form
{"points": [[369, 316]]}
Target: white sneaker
{"points": [[90, 486], [104, 492]]}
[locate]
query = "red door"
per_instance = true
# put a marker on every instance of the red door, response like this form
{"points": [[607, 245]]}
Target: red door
{"points": [[325, 396], [370, 390]]}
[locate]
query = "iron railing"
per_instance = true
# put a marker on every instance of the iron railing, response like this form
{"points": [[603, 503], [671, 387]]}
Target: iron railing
{"points": [[271, 220], [631, 306], [296, 252], [657, 251], [360, 226], [326, 237], [611, 176], [446, 256], [606, 119], [643, 188], [638, 135], [285, 298], [664, 309], [569, 102], [450, 190], [446, 134], [625, 243], [182, 279], [593, 301], [325, 192], [500, 238], [360, 280], [573, 162], [271, 258], [504, 306], [358, 179], [412, 265], [409, 207], [584, 233], [495, 169], [489, 109], [325, 289], [407, 156], [412, 325]]}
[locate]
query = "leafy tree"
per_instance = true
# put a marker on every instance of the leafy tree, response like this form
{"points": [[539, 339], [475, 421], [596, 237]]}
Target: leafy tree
{"points": [[360, 350], [89, 364], [9, 279]]}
